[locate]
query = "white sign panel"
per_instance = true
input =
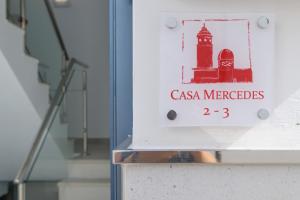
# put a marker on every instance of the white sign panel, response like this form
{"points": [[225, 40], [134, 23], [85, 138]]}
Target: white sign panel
{"points": [[216, 70]]}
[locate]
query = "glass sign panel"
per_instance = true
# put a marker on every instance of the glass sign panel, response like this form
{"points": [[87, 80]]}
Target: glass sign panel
{"points": [[216, 70]]}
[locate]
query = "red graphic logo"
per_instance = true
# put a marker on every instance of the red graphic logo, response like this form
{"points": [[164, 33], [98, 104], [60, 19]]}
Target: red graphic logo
{"points": [[225, 71]]}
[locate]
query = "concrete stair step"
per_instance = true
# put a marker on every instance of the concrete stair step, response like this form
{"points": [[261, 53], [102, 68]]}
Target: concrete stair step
{"points": [[88, 169], [98, 148], [79, 189]]}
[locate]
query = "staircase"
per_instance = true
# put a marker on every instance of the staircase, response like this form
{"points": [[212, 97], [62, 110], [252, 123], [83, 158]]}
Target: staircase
{"points": [[37, 96], [88, 178]]}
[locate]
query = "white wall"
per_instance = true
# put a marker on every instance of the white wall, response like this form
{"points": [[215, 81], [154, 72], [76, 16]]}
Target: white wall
{"points": [[214, 182], [279, 132], [19, 122], [84, 26]]}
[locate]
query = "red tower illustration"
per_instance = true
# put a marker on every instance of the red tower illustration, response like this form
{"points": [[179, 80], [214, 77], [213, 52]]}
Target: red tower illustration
{"points": [[226, 65], [204, 49], [225, 72]]}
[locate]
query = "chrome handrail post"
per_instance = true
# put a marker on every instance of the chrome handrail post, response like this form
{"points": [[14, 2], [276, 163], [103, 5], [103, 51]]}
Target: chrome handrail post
{"points": [[23, 13], [64, 68], [63, 64], [21, 191], [85, 113]]}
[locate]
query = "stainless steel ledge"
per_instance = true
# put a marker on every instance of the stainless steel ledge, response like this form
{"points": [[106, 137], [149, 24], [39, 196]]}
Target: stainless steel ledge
{"points": [[124, 154]]}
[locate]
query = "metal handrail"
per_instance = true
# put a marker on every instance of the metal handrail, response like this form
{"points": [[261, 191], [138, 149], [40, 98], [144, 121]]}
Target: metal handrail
{"points": [[23, 23], [67, 75], [56, 29], [43, 131]]}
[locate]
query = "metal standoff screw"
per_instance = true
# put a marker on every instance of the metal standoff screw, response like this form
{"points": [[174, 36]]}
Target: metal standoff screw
{"points": [[172, 115], [171, 23], [263, 22], [263, 114]]}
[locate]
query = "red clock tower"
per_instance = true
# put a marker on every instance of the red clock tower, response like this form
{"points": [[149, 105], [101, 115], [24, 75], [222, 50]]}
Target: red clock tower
{"points": [[204, 48], [204, 71], [225, 72]]}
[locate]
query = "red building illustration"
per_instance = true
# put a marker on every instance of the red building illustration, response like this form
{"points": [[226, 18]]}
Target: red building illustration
{"points": [[226, 72]]}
